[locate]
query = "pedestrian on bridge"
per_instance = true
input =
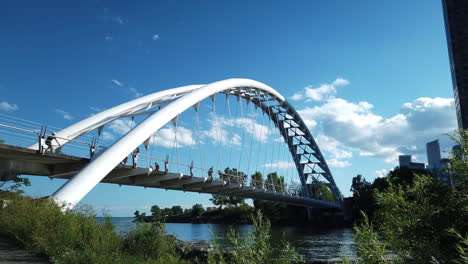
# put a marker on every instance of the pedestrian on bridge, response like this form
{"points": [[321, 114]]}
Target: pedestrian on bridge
{"points": [[135, 155], [210, 173], [156, 166], [49, 140]]}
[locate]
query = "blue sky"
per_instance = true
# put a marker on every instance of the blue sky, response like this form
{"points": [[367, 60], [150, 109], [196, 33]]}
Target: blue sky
{"points": [[373, 76]]}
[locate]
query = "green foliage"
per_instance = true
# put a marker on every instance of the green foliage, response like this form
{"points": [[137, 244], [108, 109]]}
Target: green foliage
{"points": [[14, 184], [234, 176], [462, 246], [155, 210], [71, 237], [197, 210], [257, 179], [369, 248], [219, 200], [254, 247], [274, 182], [177, 210], [320, 190], [414, 219], [148, 240], [459, 158], [281, 211]]}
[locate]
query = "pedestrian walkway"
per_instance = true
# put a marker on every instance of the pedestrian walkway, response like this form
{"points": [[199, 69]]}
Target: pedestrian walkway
{"points": [[10, 252]]}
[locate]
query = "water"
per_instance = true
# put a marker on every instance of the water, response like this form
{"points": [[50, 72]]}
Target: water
{"points": [[310, 242]]}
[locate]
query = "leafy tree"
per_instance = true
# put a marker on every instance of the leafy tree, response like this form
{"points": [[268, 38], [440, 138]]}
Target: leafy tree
{"points": [[137, 214], [404, 176], [320, 190], [414, 211], [459, 158], [362, 196], [415, 219], [234, 176], [275, 182], [167, 212], [177, 210], [257, 180], [155, 210], [235, 200], [219, 200], [197, 210]]}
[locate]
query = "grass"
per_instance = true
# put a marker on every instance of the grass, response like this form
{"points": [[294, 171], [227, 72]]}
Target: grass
{"points": [[77, 237]]}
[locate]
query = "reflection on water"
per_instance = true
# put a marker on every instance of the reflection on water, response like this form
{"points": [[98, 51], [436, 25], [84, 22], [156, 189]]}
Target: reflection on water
{"points": [[310, 242]]}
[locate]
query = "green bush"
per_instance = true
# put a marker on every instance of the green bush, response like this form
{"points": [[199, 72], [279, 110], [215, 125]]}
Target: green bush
{"points": [[369, 248], [74, 236], [255, 247], [149, 241]]}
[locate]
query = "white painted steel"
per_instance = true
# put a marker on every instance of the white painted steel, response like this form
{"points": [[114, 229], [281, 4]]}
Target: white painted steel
{"points": [[86, 125], [84, 181]]}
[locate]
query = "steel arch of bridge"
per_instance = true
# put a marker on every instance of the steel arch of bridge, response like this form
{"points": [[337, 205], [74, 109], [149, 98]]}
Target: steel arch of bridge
{"points": [[171, 103]]}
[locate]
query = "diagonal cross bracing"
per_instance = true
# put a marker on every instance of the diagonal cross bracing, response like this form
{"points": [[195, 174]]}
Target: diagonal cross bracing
{"points": [[307, 156]]}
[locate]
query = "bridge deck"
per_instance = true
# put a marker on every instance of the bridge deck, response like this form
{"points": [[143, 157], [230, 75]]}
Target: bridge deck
{"points": [[18, 160]]}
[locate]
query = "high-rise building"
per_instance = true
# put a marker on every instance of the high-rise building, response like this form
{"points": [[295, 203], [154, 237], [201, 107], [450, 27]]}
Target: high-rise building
{"points": [[405, 161], [433, 154], [456, 27]]}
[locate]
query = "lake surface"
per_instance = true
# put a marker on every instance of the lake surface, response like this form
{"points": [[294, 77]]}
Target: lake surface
{"points": [[311, 243]]}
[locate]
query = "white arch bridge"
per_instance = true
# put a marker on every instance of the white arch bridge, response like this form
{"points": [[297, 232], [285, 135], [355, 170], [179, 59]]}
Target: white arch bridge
{"points": [[162, 108]]}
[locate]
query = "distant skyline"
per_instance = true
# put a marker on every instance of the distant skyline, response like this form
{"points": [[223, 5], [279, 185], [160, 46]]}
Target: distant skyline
{"points": [[370, 79]]}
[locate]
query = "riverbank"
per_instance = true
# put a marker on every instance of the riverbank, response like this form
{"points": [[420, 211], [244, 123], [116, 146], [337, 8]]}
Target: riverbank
{"points": [[79, 237], [324, 218]]}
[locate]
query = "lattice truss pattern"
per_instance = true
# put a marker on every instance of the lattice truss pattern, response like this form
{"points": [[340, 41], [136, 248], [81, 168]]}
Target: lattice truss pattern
{"points": [[166, 106]]}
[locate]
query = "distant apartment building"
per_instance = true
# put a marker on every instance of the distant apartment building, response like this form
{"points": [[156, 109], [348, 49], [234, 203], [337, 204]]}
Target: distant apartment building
{"points": [[437, 165], [433, 154], [456, 27], [405, 161]]}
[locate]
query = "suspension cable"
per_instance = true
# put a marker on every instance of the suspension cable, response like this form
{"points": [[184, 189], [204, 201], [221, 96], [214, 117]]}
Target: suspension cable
{"points": [[199, 141], [216, 129], [176, 146], [253, 135], [243, 133], [232, 128]]}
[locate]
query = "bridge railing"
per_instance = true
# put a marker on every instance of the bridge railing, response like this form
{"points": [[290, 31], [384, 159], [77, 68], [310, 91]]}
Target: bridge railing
{"points": [[23, 137]]}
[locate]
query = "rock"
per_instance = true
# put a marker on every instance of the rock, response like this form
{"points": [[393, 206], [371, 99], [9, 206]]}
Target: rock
{"points": [[198, 249]]}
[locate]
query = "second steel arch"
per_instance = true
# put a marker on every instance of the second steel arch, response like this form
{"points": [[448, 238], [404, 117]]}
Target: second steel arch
{"points": [[84, 181]]}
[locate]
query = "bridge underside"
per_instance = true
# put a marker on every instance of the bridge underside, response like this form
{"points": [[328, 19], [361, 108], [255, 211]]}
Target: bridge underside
{"points": [[17, 160]]}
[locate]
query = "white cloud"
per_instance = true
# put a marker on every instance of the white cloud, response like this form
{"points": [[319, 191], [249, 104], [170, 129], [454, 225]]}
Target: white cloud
{"points": [[132, 90], [164, 137], [340, 82], [121, 126], [334, 163], [280, 165], [321, 93], [381, 173], [65, 115], [357, 128], [297, 97], [222, 130], [108, 38], [96, 109], [117, 82], [135, 92], [155, 36], [105, 135], [5, 106]]}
